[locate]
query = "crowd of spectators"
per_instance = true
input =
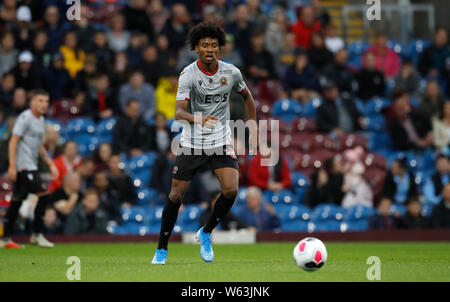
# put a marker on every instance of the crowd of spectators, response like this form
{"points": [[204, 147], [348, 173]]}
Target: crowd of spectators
{"points": [[121, 60]]}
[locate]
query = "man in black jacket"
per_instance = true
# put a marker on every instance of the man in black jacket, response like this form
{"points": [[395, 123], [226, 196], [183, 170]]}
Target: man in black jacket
{"points": [[440, 217], [371, 82], [337, 115], [408, 129], [339, 72], [131, 132], [399, 184]]}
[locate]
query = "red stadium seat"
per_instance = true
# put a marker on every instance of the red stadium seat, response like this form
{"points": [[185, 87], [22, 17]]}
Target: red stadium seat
{"points": [[375, 178], [270, 90], [350, 141], [303, 141], [373, 160], [323, 141], [293, 154], [304, 124], [64, 110]]}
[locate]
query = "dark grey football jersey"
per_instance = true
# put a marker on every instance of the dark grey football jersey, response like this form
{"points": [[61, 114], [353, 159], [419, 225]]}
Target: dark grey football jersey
{"points": [[31, 130], [208, 94]]}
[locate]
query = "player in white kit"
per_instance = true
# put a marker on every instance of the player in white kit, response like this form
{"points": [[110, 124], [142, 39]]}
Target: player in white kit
{"points": [[204, 90], [25, 146]]}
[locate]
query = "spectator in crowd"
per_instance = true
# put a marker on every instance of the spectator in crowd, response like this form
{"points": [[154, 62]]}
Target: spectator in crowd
{"points": [[67, 162], [434, 59], [86, 170], [100, 49], [371, 82], [7, 86], [441, 128], [320, 12], [399, 185], [66, 197], [258, 214], [163, 167], [383, 219], [257, 60], [101, 100], [19, 102], [167, 57], [40, 50], [408, 79], [102, 155], [87, 217], [275, 31], [120, 73], [357, 190], [341, 74], [109, 198], [166, 93], [440, 218], [413, 218], [140, 91], [8, 54], [55, 27], [256, 15], [150, 66], [337, 115], [138, 19], [177, 27], [73, 55], [4, 143], [229, 222], [161, 135], [326, 184], [120, 182], [333, 42], [83, 29], [86, 77], [118, 37], [241, 28], [300, 80], [229, 53], [52, 225], [131, 132], [318, 54], [387, 61], [436, 182], [431, 103], [273, 177], [409, 129], [285, 57], [158, 15], [306, 25], [52, 141], [57, 79], [135, 48], [8, 12], [26, 73], [24, 28]]}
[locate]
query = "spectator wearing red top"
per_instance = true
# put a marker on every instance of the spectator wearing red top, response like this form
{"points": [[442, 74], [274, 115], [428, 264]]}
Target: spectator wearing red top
{"points": [[305, 27], [65, 163], [274, 177]]}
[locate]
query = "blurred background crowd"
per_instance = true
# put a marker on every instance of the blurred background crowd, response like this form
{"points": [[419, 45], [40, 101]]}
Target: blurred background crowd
{"points": [[364, 126]]}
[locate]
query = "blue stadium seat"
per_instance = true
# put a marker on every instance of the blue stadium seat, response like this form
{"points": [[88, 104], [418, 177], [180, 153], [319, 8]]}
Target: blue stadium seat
{"points": [[358, 212], [147, 196], [294, 226], [155, 214], [376, 123], [395, 46], [300, 184], [190, 213], [53, 122], [241, 198], [135, 214], [328, 212], [287, 109], [427, 209], [310, 107], [86, 143], [282, 196], [375, 106], [358, 225], [141, 178], [327, 226], [414, 48], [104, 130], [141, 162], [80, 125], [357, 48], [395, 207]]}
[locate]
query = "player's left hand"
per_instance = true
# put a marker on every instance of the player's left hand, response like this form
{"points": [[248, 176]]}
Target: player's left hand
{"points": [[54, 173]]}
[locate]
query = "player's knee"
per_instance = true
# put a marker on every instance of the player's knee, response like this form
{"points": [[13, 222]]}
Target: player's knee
{"points": [[176, 197], [230, 193]]}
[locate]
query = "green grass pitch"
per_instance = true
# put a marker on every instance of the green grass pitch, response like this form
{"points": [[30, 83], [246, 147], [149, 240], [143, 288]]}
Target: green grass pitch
{"points": [[257, 262]]}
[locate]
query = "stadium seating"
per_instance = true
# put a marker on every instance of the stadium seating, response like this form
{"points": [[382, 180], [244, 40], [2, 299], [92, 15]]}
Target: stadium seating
{"points": [[104, 130]]}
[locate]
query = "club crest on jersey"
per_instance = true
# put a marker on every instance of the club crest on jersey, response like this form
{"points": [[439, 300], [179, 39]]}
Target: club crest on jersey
{"points": [[223, 81]]}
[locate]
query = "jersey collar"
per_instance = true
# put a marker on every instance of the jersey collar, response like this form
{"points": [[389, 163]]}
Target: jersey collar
{"points": [[208, 73]]}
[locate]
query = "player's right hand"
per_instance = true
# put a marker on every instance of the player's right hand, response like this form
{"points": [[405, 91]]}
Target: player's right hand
{"points": [[209, 121], [12, 173]]}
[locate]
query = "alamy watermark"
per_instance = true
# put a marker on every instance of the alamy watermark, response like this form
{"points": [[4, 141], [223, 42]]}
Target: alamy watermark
{"points": [[374, 11], [374, 271], [74, 271]]}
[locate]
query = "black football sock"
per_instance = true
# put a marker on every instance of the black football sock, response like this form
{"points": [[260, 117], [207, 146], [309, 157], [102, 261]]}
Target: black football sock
{"points": [[168, 219], [39, 212], [221, 208], [11, 217]]}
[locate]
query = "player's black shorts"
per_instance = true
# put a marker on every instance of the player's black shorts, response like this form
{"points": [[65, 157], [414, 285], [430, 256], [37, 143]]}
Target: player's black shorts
{"points": [[187, 165], [28, 182]]}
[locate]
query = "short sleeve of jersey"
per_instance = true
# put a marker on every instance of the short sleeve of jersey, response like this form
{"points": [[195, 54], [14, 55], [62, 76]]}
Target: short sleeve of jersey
{"points": [[239, 83], [184, 86], [21, 125]]}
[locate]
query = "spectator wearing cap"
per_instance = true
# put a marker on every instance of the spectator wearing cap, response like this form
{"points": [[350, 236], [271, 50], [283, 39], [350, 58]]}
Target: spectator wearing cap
{"points": [[300, 80], [371, 82], [436, 182], [399, 185], [57, 80], [137, 89], [337, 115], [8, 54], [258, 61], [409, 128], [440, 217], [387, 61], [72, 54], [306, 25], [24, 28], [26, 73], [341, 74]]}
